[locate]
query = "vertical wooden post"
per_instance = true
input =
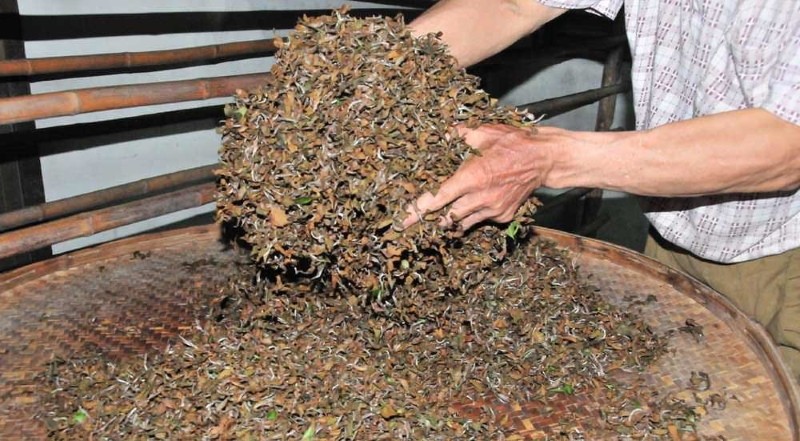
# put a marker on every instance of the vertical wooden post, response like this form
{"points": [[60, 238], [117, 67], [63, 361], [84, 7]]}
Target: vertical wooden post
{"points": [[20, 171], [590, 221]]}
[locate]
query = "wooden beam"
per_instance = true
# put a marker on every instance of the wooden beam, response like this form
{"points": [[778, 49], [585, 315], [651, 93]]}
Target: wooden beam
{"points": [[606, 107], [113, 195], [569, 196], [526, 57], [556, 106], [92, 222], [73, 102], [39, 66], [612, 74]]}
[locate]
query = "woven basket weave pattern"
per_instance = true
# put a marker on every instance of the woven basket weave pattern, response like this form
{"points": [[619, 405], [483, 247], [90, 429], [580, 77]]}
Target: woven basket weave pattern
{"points": [[133, 296]]}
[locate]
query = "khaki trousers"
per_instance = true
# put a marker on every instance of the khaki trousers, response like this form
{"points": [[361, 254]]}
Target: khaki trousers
{"points": [[766, 289]]}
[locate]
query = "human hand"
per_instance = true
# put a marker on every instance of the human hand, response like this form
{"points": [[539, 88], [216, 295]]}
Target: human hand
{"points": [[512, 162]]}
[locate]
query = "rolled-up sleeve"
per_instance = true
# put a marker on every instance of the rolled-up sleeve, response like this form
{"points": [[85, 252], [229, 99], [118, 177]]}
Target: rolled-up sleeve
{"points": [[608, 8]]}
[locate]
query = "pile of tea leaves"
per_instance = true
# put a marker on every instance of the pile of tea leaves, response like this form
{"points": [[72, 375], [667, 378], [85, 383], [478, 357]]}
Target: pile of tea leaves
{"points": [[319, 164], [344, 327]]}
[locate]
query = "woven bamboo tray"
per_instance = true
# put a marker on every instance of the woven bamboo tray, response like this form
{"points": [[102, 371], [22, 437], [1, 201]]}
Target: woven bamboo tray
{"points": [[134, 295]]}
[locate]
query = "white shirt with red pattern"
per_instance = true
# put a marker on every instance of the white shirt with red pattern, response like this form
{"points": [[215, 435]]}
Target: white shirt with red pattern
{"points": [[699, 57]]}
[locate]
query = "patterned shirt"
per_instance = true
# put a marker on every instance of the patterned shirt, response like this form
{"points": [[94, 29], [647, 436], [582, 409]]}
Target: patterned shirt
{"points": [[698, 57]]}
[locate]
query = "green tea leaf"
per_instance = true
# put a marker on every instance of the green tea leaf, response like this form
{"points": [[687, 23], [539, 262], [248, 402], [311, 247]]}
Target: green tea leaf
{"points": [[79, 416], [309, 433], [513, 229], [565, 388]]}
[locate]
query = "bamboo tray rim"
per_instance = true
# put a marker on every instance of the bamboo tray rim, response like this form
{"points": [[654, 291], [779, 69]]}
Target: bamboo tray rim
{"points": [[717, 304]]}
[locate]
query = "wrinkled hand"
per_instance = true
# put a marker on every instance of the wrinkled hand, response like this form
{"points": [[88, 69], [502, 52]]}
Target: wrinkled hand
{"points": [[493, 185]]}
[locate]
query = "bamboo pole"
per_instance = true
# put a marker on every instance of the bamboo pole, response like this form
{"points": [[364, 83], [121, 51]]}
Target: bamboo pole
{"points": [[112, 195], [72, 102], [556, 106], [92, 222], [39, 66], [568, 196], [612, 74], [593, 202]]}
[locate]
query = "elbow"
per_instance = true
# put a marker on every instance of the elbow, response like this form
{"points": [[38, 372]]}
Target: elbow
{"points": [[514, 6], [787, 181], [791, 172], [530, 12], [793, 184]]}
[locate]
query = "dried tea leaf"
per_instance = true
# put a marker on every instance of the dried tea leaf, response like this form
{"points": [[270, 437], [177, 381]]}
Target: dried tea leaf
{"points": [[278, 217]]}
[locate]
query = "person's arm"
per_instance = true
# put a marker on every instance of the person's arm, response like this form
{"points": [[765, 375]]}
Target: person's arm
{"points": [[742, 151], [477, 29]]}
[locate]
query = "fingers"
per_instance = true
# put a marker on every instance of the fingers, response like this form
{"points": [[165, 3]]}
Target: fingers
{"points": [[452, 189], [474, 209], [465, 208], [462, 183], [473, 219], [482, 136], [428, 203], [466, 211]]}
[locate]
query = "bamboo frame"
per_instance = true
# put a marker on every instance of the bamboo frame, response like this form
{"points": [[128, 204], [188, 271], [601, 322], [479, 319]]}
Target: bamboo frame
{"points": [[39, 66], [92, 222], [112, 195], [556, 106], [72, 102], [79, 63], [606, 107], [568, 196], [71, 26]]}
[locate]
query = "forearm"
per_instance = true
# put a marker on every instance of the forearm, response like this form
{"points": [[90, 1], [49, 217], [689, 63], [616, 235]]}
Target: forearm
{"points": [[740, 151], [477, 29]]}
